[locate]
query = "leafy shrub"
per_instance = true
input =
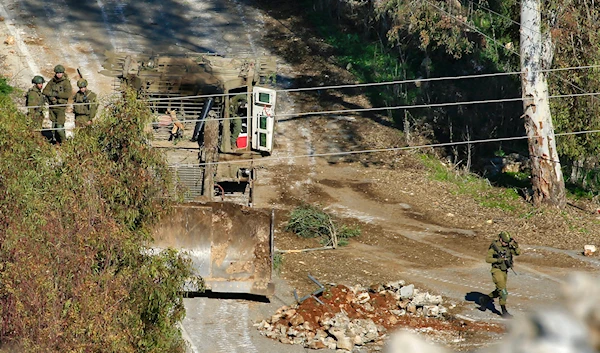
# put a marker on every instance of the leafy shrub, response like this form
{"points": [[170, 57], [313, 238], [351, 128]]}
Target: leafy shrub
{"points": [[75, 223], [308, 221]]}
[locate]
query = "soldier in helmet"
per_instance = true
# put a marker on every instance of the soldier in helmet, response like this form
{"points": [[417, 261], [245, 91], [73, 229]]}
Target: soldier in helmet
{"points": [[238, 109], [500, 255], [35, 99], [57, 92], [85, 104]]}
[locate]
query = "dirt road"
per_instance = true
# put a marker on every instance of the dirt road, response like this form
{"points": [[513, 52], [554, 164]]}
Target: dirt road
{"points": [[76, 35], [399, 240]]}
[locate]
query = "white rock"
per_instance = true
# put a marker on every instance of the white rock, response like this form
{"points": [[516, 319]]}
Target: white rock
{"points": [[394, 286], [589, 250], [337, 332], [357, 340], [345, 343], [407, 291], [398, 312], [362, 298], [420, 299], [321, 335], [431, 310], [330, 342]]}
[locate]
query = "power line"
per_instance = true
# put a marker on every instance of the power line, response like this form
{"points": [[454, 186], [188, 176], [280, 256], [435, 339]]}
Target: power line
{"points": [[414, 106], [390, 149]]}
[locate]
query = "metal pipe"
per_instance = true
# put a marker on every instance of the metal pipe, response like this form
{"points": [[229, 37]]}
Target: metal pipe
{"points": [[200, 122]]}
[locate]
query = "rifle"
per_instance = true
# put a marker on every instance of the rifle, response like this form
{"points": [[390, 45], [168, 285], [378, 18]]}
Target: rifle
{"points": [[508, 259]]}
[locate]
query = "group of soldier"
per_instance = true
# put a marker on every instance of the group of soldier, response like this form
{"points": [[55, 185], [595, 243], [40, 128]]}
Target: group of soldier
{"points": [[57, 93]]}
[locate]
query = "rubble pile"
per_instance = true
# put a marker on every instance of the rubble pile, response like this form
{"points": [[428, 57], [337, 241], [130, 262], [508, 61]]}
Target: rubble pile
{"points": [[571, 325], [342, 317]]}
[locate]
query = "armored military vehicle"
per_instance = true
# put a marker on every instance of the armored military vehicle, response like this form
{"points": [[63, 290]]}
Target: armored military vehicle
{"points": [[215, 117]]}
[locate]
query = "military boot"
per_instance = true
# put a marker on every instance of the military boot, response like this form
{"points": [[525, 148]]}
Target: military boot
{"points": [[62, 136], [505, 313]]}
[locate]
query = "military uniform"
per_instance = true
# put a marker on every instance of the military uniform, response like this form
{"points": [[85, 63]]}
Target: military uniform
{"points": [[84, 113], [500, 255], [237, 112], [58, 91], [35, 98]]}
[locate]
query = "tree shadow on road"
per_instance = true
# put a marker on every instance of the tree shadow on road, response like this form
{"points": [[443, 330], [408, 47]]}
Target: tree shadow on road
{"points": [[475, 298]]}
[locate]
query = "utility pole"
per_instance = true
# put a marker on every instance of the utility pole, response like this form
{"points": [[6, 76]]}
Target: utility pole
{"points": [[536, 54]]}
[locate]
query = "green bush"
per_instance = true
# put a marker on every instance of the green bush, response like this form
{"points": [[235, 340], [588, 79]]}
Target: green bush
{"points": [[75, 223], [308, 221]]}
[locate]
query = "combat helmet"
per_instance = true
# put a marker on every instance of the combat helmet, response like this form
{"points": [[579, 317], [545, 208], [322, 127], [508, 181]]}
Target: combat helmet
{"points": [[59, 69], [38, 79], [81, 83], [505, 236]]}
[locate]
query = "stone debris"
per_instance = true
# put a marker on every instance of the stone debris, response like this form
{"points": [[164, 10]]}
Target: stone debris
{"points": [[10, 40], [572, 325], [351, 317], [589, 250]]}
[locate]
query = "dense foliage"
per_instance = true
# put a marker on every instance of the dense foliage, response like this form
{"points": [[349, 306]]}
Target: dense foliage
{"points": [[398, 39], [576, 36], [75, 275]]}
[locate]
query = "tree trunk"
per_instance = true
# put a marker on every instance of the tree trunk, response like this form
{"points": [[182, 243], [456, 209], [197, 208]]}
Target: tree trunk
{"points": [[536, 53]]}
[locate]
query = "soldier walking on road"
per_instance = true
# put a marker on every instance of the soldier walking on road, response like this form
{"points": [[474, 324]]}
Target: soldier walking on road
{"points": [[34, 98], [57, 91], [500, 255], [85, 104]]}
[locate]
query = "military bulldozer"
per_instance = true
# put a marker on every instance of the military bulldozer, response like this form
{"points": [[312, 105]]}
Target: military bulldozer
{"points": [[215, 117]]}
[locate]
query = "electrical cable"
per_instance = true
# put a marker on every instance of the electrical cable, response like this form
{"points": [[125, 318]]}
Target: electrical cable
{"points": [[389, 149], [414, 106]]}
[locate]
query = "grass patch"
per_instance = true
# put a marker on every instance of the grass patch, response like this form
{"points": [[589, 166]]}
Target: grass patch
{"points": [[576, 192], [504, 199], [480, 189], [277, 262], [5, 88]]}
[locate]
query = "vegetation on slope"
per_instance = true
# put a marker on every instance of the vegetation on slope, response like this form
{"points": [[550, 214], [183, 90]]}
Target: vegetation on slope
{"points": [[74, 222], [399, 40]]}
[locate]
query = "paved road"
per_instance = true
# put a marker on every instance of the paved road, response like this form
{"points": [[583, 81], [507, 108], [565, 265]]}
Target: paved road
{"points": [[226, 325]]}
